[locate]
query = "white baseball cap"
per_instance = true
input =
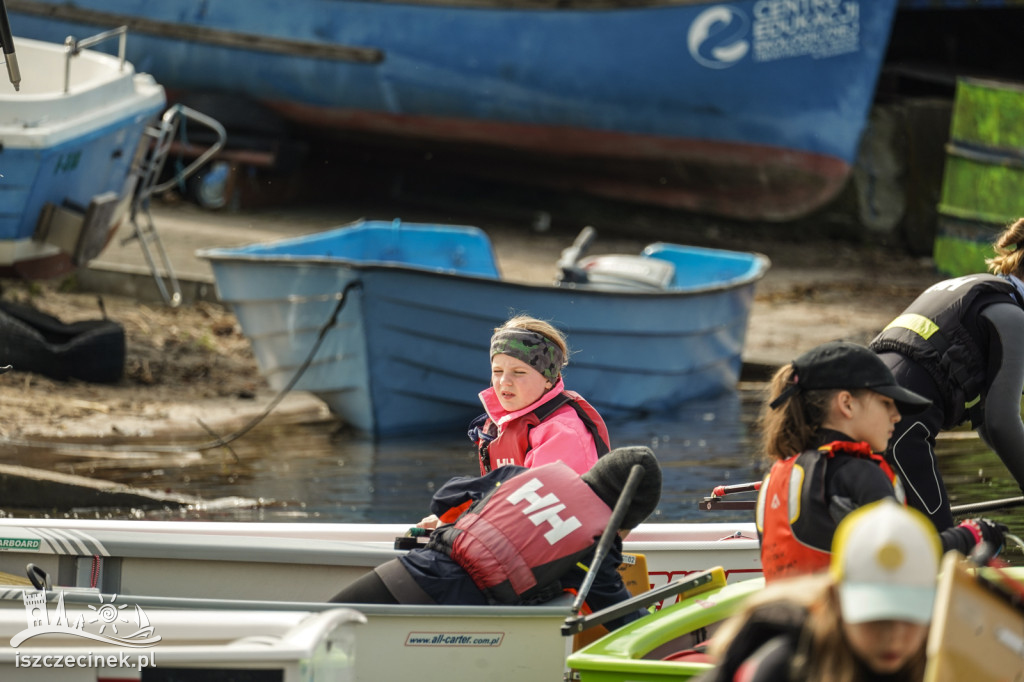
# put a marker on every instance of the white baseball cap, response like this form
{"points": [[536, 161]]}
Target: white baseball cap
{"points": [[885, 562]]}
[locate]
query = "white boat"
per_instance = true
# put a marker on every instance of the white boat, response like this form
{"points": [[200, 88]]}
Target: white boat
{"points": [[290, 646], [70, 140], [390, 642], [294, 561]]}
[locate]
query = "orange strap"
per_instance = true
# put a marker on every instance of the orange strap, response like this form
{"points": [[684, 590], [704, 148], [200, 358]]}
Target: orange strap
{"points": [[455, 512]]}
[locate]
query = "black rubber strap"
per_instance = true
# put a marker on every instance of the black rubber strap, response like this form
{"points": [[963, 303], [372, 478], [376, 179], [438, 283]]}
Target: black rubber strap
{"points": [[401, 584]]}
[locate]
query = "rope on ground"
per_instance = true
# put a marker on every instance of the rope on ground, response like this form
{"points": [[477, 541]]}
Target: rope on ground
{"points": [[220, 441]]}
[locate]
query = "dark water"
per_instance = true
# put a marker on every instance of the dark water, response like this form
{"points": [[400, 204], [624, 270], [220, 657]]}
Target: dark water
{"points": [[315, 473]]}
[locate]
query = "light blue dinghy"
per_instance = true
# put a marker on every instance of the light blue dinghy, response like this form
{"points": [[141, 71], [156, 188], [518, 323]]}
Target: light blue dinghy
{"points": [[416, 305]]}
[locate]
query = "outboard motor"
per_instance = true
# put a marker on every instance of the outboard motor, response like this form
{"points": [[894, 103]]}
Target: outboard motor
{"points": [[613, 272]]}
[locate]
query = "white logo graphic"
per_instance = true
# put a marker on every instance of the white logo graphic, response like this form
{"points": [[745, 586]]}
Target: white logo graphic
{"points": [[111, 621], [545, 509], [718, 36]]}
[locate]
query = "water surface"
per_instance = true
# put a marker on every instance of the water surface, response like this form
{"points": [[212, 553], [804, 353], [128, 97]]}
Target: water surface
{"points": [[318, 473]]}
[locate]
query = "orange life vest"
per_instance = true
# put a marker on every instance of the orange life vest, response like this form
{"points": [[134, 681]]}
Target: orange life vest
{"points": [[793, 519]]}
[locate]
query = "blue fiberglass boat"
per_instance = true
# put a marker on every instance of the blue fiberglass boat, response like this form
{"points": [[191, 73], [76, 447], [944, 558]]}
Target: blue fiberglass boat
{"points": [[409, 352], [751, 109]]}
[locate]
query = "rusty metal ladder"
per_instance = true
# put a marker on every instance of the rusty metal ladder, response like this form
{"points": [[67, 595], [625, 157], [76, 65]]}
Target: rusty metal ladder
{"points": [[156, 145]]}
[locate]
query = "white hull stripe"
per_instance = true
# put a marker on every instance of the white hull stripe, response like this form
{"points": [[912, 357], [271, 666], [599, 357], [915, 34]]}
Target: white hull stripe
{"points": [[69, 541]]}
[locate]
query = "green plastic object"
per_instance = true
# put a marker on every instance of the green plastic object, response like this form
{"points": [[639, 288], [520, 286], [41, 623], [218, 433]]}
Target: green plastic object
{"points": [[983, 183], [620, 656], [988, 113]]}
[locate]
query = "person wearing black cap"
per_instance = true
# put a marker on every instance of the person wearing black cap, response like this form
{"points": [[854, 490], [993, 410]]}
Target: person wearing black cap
{"points": [[519, 536], [829, 413], [959, 343]]}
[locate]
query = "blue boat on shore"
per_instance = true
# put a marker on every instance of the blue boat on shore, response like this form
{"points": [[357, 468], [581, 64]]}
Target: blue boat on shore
{"points": [[749, 109], [414, 307], [68, 144]]}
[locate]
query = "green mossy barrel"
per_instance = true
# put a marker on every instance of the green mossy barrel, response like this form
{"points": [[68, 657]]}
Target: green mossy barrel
{"points": [[983, 183]]}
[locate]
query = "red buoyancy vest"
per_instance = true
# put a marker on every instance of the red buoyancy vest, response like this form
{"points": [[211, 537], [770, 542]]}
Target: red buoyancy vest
{"points": [[518, 541], [793, 518], [512, 444]]}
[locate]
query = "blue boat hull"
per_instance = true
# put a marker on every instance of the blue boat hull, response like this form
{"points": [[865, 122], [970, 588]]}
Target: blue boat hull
{"points": [[751, 109], [409, 352]]}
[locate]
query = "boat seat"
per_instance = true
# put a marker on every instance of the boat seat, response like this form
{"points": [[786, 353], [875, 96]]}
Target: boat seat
{"points": [[11, 579], [633, 570]]}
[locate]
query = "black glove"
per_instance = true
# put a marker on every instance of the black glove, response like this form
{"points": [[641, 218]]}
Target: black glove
{"points": [[988, 532]]}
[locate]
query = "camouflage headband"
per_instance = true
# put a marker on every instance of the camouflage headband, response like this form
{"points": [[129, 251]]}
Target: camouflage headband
{"points": [[536, 350]]}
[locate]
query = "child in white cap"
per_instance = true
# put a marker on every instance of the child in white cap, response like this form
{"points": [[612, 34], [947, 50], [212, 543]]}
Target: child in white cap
{"points": [[867, 618]]}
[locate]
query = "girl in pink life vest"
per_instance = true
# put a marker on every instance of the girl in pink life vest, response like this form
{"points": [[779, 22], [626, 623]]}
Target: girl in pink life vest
{"points": [[530, 418]]}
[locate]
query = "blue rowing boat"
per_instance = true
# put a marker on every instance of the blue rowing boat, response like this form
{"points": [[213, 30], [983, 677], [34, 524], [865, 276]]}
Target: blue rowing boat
{"points": [[750, 109], [418, 304]]}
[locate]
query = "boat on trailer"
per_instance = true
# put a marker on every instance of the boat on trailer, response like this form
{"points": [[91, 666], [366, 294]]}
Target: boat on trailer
{"points": [[389, 323], [70, 136]]}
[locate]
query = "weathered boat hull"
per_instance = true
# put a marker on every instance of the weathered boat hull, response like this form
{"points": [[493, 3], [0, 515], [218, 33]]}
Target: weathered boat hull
{"points": [[749, 109]]}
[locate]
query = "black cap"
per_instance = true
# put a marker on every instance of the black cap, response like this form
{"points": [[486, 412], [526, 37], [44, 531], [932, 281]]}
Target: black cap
{"points": [[609, 475], [849, 366]]}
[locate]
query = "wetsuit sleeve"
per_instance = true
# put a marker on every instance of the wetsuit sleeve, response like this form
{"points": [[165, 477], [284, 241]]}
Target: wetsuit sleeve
{"points": [[960, 539], [608, 588], [851, 483], [1003, 430], [462, 489]]}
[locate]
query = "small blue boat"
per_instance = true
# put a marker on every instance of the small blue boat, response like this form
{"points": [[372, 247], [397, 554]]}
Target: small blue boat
{"points": [[68, 143], [751, 109], [409, 352]]}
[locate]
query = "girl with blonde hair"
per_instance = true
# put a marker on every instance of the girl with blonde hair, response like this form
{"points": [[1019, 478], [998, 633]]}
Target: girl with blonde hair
{"points": [[530, 418]]}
